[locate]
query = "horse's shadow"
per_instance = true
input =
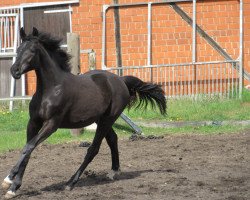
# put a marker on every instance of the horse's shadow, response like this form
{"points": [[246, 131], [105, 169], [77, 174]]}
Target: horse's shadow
{"points": [[96, 179]]}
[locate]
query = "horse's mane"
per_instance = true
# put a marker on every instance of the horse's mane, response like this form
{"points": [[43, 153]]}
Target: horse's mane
{"points": [[52, 44]]}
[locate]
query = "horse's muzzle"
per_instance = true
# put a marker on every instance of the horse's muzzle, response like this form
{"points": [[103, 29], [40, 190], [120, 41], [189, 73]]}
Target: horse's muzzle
{"points": [[15, 72]]}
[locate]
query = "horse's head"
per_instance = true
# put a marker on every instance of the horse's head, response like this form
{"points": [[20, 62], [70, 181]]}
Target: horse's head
{"points": [[25, 54]]}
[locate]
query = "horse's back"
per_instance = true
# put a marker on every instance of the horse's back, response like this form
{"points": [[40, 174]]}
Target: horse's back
{"points": [[117, 87], [101, 73]]}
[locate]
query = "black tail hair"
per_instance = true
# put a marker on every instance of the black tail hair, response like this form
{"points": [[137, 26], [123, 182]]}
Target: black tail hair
{"points": [[147, 93]]}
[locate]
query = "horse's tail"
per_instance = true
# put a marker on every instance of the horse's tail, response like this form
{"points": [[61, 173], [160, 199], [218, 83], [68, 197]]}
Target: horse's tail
{"points": [[145, 93]]}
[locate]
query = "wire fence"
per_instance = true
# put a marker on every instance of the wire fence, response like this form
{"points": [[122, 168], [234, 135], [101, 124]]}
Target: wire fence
{"points": [[205, 79]]}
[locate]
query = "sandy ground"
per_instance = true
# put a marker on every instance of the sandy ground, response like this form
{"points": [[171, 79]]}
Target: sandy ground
{"points": [[176, 167]]}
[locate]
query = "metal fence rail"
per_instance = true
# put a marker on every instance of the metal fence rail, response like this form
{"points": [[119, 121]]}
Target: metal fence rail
{"points": [[9, 40], [190, 79]]}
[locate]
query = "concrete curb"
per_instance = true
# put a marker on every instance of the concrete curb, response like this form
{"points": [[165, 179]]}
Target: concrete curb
{"points": [[161, 124]]}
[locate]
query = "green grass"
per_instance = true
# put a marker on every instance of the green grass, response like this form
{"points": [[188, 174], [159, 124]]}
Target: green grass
{"points": [[202, 110], [13, 124], [187, 110]]}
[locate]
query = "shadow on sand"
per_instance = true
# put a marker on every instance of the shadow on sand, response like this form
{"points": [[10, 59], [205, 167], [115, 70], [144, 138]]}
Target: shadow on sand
{"points": [[90, 178]]}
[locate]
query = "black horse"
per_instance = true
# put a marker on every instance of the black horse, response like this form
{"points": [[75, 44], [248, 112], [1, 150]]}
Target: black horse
{"points": [[64, 100]]}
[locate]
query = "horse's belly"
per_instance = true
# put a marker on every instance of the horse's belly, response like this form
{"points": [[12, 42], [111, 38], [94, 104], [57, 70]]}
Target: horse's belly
{"points": [[77, 118], [77, 124]]}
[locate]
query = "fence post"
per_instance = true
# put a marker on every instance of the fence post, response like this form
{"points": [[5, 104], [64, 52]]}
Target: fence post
{"points": [[118, 38], [73, 45]]}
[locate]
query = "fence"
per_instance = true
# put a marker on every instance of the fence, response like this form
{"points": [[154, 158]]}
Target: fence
{"points": [[205, 79], [213, 78]]}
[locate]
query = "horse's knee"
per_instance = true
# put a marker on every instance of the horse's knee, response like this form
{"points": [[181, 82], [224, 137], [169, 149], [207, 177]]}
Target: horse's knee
{"points": [[28, 149]]}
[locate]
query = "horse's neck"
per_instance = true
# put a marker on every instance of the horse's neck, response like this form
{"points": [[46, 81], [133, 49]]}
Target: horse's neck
{"points": [[48, 73]]}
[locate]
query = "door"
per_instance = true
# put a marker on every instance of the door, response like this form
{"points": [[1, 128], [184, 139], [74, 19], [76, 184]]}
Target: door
{"points": [[52, 19]]}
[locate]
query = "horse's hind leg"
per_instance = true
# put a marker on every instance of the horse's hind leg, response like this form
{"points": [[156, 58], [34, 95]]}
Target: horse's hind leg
{"points": [[111, 139], [92, 151]]}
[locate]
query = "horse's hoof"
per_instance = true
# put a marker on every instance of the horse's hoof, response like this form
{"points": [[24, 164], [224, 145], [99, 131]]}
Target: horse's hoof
{"points": [[69, 188], [10, 195], [6, 185], [112, 174]]}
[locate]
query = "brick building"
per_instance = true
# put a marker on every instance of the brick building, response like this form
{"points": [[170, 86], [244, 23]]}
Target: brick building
{"points": [[171, 35]]}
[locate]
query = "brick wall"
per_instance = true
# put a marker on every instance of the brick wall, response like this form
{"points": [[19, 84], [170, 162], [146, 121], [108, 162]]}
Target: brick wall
{"points": [[171, 36]]}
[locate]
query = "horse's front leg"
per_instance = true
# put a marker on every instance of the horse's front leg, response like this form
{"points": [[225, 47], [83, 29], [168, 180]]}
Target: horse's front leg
{"points": [[16, 174], [32, 130]]}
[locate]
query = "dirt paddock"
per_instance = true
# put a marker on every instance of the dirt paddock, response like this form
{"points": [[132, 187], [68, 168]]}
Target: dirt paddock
{"points": [[174, 167]]}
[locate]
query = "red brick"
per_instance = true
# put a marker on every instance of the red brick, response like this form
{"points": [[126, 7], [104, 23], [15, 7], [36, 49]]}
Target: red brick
{"points": [[171, 35]]}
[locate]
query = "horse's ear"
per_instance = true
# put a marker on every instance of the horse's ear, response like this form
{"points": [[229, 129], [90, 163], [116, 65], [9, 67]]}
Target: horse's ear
{"points": [[35, 31], [22, 33]]}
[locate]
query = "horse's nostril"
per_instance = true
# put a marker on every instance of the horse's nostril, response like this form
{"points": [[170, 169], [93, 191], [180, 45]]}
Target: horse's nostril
{"points": [[17, 72]]}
